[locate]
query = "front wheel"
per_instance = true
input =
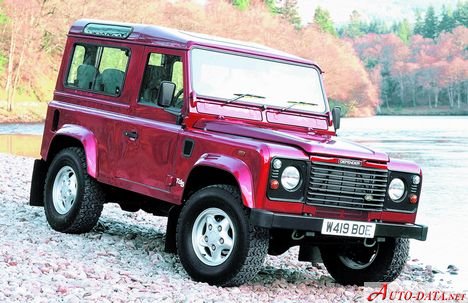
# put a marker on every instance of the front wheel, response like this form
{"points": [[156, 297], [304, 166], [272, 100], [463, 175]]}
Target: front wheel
{"points": [[351, 264], [216, 242]]}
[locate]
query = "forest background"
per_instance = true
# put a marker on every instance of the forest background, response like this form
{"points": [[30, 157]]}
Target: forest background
{"points": [[412, 66]]}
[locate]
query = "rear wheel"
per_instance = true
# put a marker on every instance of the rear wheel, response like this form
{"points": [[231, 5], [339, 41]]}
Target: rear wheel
{"points": [[216, 242], [351, 264], [73, 201]]}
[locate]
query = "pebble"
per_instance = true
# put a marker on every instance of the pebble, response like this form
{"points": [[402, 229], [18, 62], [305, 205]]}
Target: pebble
{"points": [[452, 268], [123, 260]]}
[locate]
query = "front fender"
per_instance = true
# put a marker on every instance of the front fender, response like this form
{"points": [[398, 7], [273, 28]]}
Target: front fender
{"points": [[237, 168], [87, 139], [404, 166]]}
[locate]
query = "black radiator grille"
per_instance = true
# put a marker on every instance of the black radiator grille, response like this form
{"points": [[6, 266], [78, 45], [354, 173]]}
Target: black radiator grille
{"points": [[339, 186]]}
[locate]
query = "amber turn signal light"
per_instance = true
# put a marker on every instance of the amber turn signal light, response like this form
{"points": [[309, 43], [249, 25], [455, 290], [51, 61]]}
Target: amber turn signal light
{"points": [[413, 199], [274, 184]]}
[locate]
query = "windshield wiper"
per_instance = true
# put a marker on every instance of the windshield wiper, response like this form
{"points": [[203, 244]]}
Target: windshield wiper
{"points": [[240, 96], [293, 103]]}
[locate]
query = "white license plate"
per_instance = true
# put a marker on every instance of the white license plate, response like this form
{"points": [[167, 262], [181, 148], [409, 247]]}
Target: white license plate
{"points": [[348, 228]]}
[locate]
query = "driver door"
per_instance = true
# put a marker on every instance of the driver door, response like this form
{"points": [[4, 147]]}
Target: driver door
{"points": [[154, 132]]}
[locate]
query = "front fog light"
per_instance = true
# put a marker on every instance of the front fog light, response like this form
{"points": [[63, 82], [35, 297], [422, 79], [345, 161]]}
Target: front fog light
{"points": [[396, 190], [416, 179], [277, 164], [290, 178]]}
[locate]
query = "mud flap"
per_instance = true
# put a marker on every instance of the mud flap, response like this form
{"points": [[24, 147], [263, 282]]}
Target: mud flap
{"points": [[170, 244], [36, 197]]}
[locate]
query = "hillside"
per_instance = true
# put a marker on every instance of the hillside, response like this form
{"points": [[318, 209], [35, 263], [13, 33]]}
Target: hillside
{"points": [[39, 30], [386, 10], [371, 65]]}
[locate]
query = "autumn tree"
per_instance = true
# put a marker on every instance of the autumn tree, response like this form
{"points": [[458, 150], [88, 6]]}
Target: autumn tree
{"points": [[3, 23], [23, 18]]}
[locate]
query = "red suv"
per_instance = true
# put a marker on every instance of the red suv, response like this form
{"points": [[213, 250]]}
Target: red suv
{"points": [[234, 142]]}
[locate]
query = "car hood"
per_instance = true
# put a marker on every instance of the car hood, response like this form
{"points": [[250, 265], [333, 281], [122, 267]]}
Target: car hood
{"points": [[309, 143]]}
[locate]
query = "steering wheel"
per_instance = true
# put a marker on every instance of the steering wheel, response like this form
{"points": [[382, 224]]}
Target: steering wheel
{"points": [[177, 102]]}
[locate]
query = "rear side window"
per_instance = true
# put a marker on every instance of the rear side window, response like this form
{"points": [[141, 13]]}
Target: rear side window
{"points": [[97, 68]]}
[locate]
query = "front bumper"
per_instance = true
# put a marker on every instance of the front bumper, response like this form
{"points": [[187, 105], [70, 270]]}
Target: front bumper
{"points": [[267, 219]]}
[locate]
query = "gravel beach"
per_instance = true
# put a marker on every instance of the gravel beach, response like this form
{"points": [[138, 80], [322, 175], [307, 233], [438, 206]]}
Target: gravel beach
{"points": [[123, 260]]}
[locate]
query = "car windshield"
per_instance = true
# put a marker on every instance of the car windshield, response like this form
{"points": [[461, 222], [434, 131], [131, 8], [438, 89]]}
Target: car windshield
{"points": [[225, 76]]}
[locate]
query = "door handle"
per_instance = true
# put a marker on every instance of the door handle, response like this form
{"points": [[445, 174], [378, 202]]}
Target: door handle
{"points": [[132, 135]]}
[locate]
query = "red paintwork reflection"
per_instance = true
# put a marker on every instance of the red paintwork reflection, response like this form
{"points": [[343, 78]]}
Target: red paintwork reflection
{"points": [[311, 144]]}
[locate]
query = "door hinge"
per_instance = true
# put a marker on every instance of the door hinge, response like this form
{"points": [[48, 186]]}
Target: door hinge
{"points": [[170, 180]]}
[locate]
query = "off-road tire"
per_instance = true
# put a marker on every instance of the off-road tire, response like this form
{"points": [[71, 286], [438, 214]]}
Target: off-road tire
{"points": [[387, 265], [87, 207], [250, 246]]}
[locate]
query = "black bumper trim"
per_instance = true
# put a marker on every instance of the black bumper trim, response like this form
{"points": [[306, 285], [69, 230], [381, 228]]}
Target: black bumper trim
{"points": [[267, 219]]}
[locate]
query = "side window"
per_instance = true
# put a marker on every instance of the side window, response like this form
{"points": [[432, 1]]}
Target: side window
{"points": [[98, 68], [161, 67], [78, 59]]}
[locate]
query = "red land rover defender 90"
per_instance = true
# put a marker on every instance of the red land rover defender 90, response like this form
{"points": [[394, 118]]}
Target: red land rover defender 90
{"points": [[233, 142]]}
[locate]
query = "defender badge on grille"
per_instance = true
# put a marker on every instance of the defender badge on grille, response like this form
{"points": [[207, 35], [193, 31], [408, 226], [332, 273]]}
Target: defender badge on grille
{"points": [[350, 162], [368, 198]]}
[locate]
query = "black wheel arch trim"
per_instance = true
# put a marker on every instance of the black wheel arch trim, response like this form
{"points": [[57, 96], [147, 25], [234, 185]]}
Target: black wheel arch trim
{"points": [[267, 219]]}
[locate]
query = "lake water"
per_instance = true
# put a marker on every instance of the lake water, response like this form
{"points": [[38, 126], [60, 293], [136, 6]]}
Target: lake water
{"points": [[438, 144], [21, 139]]}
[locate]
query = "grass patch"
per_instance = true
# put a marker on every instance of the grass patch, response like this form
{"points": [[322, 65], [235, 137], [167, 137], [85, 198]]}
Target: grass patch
{"points": [[23, 112]]}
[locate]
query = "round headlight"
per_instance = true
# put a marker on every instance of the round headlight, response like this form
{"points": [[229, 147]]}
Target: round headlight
{"points": [[396, 190], [290, 178]]}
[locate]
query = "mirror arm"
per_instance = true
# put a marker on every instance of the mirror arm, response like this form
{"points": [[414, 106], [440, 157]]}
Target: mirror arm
{"points": [[179, 119], [179, 116]]}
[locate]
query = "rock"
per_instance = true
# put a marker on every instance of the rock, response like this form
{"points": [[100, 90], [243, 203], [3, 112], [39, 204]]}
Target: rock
{"points": [[452, 268], [349, 294], [62, 290]]}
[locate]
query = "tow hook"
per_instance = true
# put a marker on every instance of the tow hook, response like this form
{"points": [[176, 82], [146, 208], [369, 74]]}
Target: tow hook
{"points": [[369, 244], [297, 235]]}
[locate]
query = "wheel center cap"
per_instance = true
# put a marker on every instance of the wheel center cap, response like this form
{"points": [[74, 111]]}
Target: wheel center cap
{"points": [[212, 236]]}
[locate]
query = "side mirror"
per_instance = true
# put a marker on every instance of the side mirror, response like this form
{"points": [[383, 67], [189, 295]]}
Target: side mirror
{"points": [[166, 93], [336, 114]]}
